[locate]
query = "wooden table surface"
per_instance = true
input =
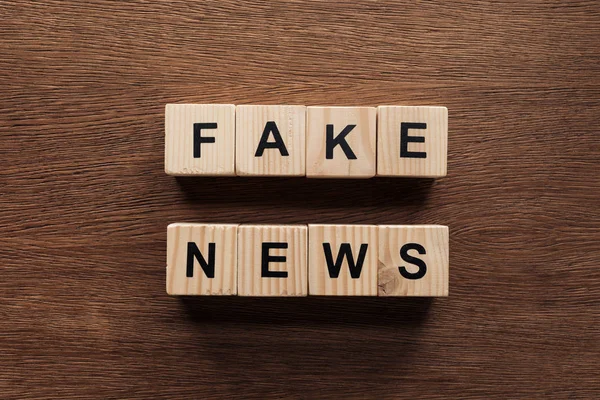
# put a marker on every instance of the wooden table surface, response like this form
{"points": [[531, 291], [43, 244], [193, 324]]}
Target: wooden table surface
{"points": [[84, 201]]}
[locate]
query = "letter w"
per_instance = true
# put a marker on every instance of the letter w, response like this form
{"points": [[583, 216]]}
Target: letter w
{"points": [[345, 251]]}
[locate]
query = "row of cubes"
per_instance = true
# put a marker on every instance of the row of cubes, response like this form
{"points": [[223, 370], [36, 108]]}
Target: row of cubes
{"points": [[301, 260], [317, 142]]}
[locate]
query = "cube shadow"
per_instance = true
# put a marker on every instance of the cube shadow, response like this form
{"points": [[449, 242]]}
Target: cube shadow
{"points": [[307, 193], [318, 310]]}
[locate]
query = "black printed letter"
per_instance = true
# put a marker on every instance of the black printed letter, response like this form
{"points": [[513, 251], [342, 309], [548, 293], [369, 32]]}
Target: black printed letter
{"points": [[413, 260], [200, 139], [405, 139], [271, 126], [207, 267], [345, 251], [331, 142], [266, 259]]}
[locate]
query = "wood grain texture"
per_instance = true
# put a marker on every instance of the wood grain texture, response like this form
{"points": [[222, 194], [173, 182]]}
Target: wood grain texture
{"points": [[409, 157], [434, 253], [85, 202], [290, 124], [250, 256], [355, 155], [321, 282], [224, 259], [187, 155]]}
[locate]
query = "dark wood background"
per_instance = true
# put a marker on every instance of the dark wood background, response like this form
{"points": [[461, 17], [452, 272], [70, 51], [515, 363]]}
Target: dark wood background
{"points": [[84, 201]]}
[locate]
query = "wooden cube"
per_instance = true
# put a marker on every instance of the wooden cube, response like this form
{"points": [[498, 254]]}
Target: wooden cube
{"points": [[201, 259], [340, 142], [412, 141], [413, 260], [270, 140], [272, 260], [342, 260], [200, 139]]}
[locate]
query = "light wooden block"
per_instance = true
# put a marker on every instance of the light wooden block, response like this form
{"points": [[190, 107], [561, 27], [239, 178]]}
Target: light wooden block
{"points": [[191, 245], [259, 129], [352, 158], [412, 141], [272, 260], [200, 139], [413, 260], [329, 247]]}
